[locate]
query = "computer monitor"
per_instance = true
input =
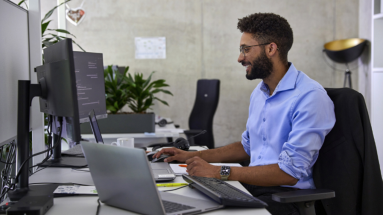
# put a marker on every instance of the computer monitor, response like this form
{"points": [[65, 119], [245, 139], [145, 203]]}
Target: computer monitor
{"points": [[58, 97], [14, 65], [57, 79], [90, 84]]}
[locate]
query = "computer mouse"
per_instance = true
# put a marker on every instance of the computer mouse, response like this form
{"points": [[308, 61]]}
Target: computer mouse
{"points": [[150, 155], [160, 159]]}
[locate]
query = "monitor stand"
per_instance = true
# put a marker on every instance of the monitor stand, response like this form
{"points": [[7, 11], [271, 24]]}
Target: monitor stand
{"points": [[59, 161]]}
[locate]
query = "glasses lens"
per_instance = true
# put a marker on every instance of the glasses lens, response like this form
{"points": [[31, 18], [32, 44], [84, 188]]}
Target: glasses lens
{"points": [[241, 50]]}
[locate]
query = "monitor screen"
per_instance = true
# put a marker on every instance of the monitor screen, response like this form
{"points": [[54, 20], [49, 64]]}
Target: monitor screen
{"points": [[90, 84]]}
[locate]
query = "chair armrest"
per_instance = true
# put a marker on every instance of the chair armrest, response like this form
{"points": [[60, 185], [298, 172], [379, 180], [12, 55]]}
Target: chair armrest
{"points": [[190, 136], [190, 133], [303, 195]]}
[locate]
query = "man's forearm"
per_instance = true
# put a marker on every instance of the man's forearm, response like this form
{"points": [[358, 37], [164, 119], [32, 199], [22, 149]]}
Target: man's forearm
{"points": [[268, 175], [227, 154]]}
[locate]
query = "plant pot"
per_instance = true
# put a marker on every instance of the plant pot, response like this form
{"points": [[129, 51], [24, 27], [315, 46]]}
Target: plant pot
{"points": [[123, 123]]}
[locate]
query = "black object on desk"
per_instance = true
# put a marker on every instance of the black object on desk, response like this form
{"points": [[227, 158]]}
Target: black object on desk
{"points": [[37, 201]]}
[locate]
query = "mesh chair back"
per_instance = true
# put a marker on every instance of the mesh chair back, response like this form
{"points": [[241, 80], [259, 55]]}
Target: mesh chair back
{"points": [[205, 105]]}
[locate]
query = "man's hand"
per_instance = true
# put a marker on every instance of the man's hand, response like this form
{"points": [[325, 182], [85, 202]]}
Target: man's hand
{"points": [[199, 167], [175, 154]]}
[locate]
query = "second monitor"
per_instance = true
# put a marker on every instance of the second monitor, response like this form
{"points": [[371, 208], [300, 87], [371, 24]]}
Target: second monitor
{"points": [[90, 84]]}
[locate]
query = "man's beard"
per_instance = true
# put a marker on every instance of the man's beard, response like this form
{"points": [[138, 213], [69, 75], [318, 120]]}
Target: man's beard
{"points": [[261, 67]]}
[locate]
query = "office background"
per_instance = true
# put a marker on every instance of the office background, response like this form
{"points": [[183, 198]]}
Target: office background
{"points": [[202, 41]]}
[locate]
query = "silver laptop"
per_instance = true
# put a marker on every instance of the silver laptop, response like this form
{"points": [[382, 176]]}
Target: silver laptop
{"points": [[124, 179], [162, 172]]}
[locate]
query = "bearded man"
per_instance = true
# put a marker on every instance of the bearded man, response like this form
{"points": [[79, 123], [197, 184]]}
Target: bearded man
{"points": [[289, 116]]}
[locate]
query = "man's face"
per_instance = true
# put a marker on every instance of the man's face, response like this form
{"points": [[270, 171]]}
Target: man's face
{"points": [[253, 57]]}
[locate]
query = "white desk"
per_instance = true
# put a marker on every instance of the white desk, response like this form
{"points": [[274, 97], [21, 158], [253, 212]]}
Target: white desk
{"points": [[142, 139], [88, 205]]}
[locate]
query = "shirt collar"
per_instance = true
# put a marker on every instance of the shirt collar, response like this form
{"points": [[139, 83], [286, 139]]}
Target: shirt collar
{"points": [[286, 83]]}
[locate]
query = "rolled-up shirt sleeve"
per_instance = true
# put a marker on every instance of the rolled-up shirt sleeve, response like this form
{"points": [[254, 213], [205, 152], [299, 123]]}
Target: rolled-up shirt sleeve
{"points": [[246, 142], [312, 118]]}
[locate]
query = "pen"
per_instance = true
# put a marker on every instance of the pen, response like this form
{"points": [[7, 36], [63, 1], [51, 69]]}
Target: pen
{"points": [[172, 185], [183, 165]]}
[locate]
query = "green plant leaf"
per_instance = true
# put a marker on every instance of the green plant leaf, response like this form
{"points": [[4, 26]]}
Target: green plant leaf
{"points": [[162, 101], [62, 31], [148, 80], [78, 46], [132, 90], [161, 90], [49, 14], [21, 2], [44, 27]]}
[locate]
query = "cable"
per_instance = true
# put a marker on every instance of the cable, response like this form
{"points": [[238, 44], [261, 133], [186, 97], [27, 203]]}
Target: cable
{"points": [[8, 183], [98, 207], [10, 152], [40, 169], [175, 189], [49, 150], [39, 153], [7, 171]]}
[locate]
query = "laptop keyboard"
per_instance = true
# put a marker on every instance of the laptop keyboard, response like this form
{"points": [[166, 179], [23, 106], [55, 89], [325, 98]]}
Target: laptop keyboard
{"points": [[171, 207]]}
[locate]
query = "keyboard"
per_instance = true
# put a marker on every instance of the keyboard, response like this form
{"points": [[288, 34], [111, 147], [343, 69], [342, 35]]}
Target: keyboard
{"points": [[223, 193], [75, 150], [172, 207]]}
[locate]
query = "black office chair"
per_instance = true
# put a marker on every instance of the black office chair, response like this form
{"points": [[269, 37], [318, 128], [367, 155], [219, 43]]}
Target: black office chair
{"points": [[201, 117], [347, 164]]}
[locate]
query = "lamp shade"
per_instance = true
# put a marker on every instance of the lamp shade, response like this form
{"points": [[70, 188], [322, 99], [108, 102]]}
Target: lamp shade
{"points": [[344, 51]]}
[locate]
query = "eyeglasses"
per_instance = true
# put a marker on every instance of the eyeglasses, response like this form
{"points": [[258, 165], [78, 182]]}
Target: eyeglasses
{"points": [[245, 49]]}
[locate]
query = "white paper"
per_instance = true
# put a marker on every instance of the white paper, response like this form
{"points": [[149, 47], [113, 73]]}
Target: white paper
{"points": [[182, 170], [76, 189], [150, 47]]}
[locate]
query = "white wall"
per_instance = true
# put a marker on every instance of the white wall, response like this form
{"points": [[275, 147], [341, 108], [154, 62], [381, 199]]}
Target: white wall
{"points": [[202, 42]]}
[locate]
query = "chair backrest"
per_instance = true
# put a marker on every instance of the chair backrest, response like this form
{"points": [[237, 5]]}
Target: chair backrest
{"points": [[348, 161], [205, 105]]}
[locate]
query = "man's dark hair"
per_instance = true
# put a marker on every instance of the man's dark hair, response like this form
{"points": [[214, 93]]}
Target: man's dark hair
{"points": [[267, 28]]}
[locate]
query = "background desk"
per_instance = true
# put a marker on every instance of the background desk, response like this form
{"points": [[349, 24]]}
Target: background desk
{"points": [[88, 204], [142, 139]]}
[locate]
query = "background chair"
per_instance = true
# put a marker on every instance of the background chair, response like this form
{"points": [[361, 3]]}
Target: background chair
{"points": [[201, 117], [347, 164]]}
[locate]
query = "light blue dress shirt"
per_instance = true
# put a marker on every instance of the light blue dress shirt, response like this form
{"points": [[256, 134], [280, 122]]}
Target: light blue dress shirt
{"points": [[288, 128]]}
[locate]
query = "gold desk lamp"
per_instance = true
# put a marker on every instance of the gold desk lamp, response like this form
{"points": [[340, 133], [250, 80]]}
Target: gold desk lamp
{"points": [[345, 51]]}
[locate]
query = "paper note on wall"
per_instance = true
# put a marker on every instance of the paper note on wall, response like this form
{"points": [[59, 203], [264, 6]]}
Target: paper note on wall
{"points": [[150, 47]]}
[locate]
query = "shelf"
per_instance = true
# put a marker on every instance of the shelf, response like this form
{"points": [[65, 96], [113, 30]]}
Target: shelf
{"points": [[378, 16]]}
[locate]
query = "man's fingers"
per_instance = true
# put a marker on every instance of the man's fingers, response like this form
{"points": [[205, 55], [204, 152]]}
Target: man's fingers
{"points": [[166, 151], [190, 160], [170, 159]]}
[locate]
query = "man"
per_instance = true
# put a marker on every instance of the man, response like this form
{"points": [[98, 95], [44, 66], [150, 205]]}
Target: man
{"points": [[289, 117]]}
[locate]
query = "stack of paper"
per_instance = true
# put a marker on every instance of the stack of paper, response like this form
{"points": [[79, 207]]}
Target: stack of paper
{"points": [[76, 189]]}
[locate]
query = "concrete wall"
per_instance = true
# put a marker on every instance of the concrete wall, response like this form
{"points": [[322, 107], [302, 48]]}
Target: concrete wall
{"points": [[202, 41]]}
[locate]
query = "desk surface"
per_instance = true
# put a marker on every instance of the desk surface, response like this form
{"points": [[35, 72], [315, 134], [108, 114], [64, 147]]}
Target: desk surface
{"points": [[88, 205]]}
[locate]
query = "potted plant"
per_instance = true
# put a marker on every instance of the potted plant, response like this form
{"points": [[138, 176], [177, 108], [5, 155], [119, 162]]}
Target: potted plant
{"points": [[122, 88]]}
